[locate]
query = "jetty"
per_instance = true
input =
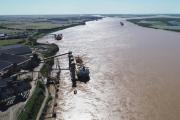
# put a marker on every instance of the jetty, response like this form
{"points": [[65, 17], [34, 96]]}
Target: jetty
{"points": [[75, 67]]}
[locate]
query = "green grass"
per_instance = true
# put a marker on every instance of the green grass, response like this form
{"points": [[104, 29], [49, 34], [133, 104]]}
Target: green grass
{"points": [[31, 25], [7, 31], [158, 23], [11, 42], [33, 105]]}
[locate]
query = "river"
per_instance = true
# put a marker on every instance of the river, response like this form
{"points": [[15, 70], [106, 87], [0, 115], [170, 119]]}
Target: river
{"points": [[135, 72]]}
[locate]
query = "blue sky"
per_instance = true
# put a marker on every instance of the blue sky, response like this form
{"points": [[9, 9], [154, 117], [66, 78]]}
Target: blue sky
{"points": [[13, 7]]}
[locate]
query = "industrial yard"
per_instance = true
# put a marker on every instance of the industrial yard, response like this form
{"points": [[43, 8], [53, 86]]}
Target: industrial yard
{"points": [[21, 66]]}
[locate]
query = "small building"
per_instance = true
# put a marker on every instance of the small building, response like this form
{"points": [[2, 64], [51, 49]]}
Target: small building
{"points": [[19, 35], [2, 36]]}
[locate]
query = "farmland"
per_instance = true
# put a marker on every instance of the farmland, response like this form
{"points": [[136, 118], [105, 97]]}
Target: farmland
{"points": [[172, 24], [14, 29], [11, 42]]}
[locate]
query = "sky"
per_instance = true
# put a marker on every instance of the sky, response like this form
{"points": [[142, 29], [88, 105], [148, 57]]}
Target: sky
{"points": [[32, 7]]}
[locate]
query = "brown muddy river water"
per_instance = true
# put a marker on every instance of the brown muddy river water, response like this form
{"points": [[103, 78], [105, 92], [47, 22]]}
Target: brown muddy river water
{"points": [[135, 72]]}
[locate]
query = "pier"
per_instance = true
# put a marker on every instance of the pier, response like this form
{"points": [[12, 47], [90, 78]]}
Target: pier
{"points": [[53, 81], [71, 68]]}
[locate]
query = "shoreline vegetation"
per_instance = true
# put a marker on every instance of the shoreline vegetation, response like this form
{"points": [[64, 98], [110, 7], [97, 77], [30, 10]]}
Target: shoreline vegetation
{"points": [[33, 105], [37, 27], [163, 23]]}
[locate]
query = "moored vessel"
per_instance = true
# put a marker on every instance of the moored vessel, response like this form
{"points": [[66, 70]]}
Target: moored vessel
{"points": [[82, 71]]}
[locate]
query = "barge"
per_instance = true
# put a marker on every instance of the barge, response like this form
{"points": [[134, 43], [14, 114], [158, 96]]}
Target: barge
{"points": [[82, 71], [58, 36]]}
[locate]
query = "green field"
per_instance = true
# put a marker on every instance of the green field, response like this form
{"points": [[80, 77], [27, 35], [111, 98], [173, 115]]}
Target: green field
{"points": [[31, 25], [39, 25], [8, 31], [40, 22], [11, 42], [172, 24]]}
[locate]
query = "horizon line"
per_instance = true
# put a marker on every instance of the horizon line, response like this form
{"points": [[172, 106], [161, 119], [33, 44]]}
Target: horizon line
{"points": [[94, 14]]}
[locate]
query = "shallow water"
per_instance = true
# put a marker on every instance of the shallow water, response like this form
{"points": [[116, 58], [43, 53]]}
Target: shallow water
{"points": [[135, 72]]}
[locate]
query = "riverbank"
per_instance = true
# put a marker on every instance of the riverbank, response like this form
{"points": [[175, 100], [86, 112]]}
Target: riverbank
{"points": [[163, 23]]}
